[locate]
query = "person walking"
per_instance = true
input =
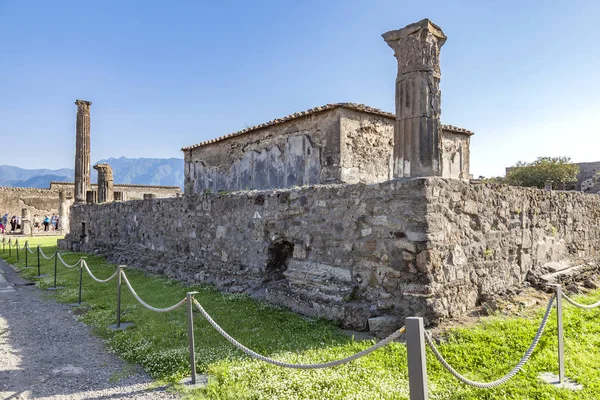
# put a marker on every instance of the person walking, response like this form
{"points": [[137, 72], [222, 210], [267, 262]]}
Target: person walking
{"points": [[46, 223], [18, 223], [5, 220], [13, 223]]}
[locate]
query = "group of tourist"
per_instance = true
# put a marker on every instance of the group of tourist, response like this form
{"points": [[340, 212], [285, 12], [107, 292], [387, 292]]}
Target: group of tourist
{"points": [[49, 223], [15, 223]]}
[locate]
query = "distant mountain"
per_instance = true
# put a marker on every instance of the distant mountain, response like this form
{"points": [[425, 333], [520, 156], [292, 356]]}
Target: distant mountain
{"points": [[145, 171], [19, 177], [141, 171]]}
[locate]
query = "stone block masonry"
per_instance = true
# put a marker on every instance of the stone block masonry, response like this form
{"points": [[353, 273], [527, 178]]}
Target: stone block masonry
{"points": [[431, 247], [38, 201], [335, 251]]}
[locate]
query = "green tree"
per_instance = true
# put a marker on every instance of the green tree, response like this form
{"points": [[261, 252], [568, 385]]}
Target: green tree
{"points": [[559, 170]]}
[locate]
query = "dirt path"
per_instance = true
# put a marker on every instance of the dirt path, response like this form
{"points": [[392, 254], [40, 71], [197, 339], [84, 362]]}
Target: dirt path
{"points": [[46, 354]]}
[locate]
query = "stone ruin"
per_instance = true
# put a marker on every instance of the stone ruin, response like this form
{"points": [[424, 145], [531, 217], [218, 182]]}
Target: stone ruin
{"points": [[350, 213]]}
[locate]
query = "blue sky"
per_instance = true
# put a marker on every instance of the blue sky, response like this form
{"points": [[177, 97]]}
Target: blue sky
{"points": [[166, 74]]}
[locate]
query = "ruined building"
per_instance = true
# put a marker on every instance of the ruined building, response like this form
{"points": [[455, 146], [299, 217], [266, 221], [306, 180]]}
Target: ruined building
{"points": [[59, 196], [357, 215], [335, 143]]}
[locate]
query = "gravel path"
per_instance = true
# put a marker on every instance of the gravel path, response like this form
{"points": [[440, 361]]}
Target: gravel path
{"points": [[46, 354]]}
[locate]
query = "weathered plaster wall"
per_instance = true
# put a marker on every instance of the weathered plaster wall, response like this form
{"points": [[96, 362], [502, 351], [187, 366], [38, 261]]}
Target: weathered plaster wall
{"points": [[455, 155], [39, 201], [342, 144], [366, 147], [302, 151]]}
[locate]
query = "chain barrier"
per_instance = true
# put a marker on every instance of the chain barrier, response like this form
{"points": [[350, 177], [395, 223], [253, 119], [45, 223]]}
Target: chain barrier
{"points": [[46, 257], [148, 306], [65, 264], [29, 248], [505, 378], [84, 265], [254, 354], [380, 344], [579, 305]]}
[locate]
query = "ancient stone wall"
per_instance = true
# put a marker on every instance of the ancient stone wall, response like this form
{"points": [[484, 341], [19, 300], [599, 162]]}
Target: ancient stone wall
{"points": [[345, 252], [39, 201], [124, 192], [429, 246], [483, 239]]}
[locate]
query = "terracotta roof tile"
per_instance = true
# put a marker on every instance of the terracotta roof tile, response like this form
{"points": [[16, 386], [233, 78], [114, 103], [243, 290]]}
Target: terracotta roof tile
{"points": [[351, 106]]}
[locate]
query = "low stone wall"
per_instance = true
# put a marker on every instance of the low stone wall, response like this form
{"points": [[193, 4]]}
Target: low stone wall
{"points": [[39, 201], [431, 247], [484, 239], [338, 251]]}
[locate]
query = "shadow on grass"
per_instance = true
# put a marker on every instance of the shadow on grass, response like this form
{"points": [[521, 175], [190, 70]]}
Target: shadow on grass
{"points": [[158, 342]]}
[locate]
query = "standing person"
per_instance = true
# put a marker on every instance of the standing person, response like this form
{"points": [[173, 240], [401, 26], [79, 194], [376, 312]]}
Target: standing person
{"points": [[13, 223], [36, 223], [2, 226], [18, 223], [46, 223], [5, 220], [56, 222]]}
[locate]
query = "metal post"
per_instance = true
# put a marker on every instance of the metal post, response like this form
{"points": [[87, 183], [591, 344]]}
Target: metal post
{"points": [[55, 264], [417, 366], [119, 297], [561, 343], [190, 310], [119, 326], [80, 283], [26, 254], [9, 248], [17, 246], [38, 256]]}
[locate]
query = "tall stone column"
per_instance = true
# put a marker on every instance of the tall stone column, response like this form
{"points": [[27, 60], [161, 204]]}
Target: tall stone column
{"points": [[105, 183], [417, 134], [63, 211], [82, 151]]}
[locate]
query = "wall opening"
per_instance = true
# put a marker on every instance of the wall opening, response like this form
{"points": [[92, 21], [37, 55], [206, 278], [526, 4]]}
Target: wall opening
{"points": [[279, 254]]}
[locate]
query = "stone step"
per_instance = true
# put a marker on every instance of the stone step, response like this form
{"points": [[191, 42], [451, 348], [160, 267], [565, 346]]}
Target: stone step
{"points": [[561, 274]]}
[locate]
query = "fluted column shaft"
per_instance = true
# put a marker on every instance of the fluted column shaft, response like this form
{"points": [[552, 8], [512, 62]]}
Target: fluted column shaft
{"points": [[82, 151], [417, 133]]}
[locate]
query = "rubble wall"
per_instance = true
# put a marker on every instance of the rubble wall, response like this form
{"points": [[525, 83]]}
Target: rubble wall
{"points": [[431, 247], [484, 239], [39, 201], [344, 252]]}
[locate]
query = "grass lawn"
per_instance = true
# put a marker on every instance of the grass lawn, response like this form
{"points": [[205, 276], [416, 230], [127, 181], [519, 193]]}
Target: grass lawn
{"points": [[158, 342]]}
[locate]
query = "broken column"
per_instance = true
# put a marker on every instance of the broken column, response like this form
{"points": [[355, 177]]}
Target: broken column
{"points": [[25, 221], [82, 151], [105, 183], [417, 133], [63, 211]]}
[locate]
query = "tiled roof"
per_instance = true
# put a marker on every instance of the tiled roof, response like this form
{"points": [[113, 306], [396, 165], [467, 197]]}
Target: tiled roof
{"points": [[456, 129], [121, 185], [351, 106]]}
